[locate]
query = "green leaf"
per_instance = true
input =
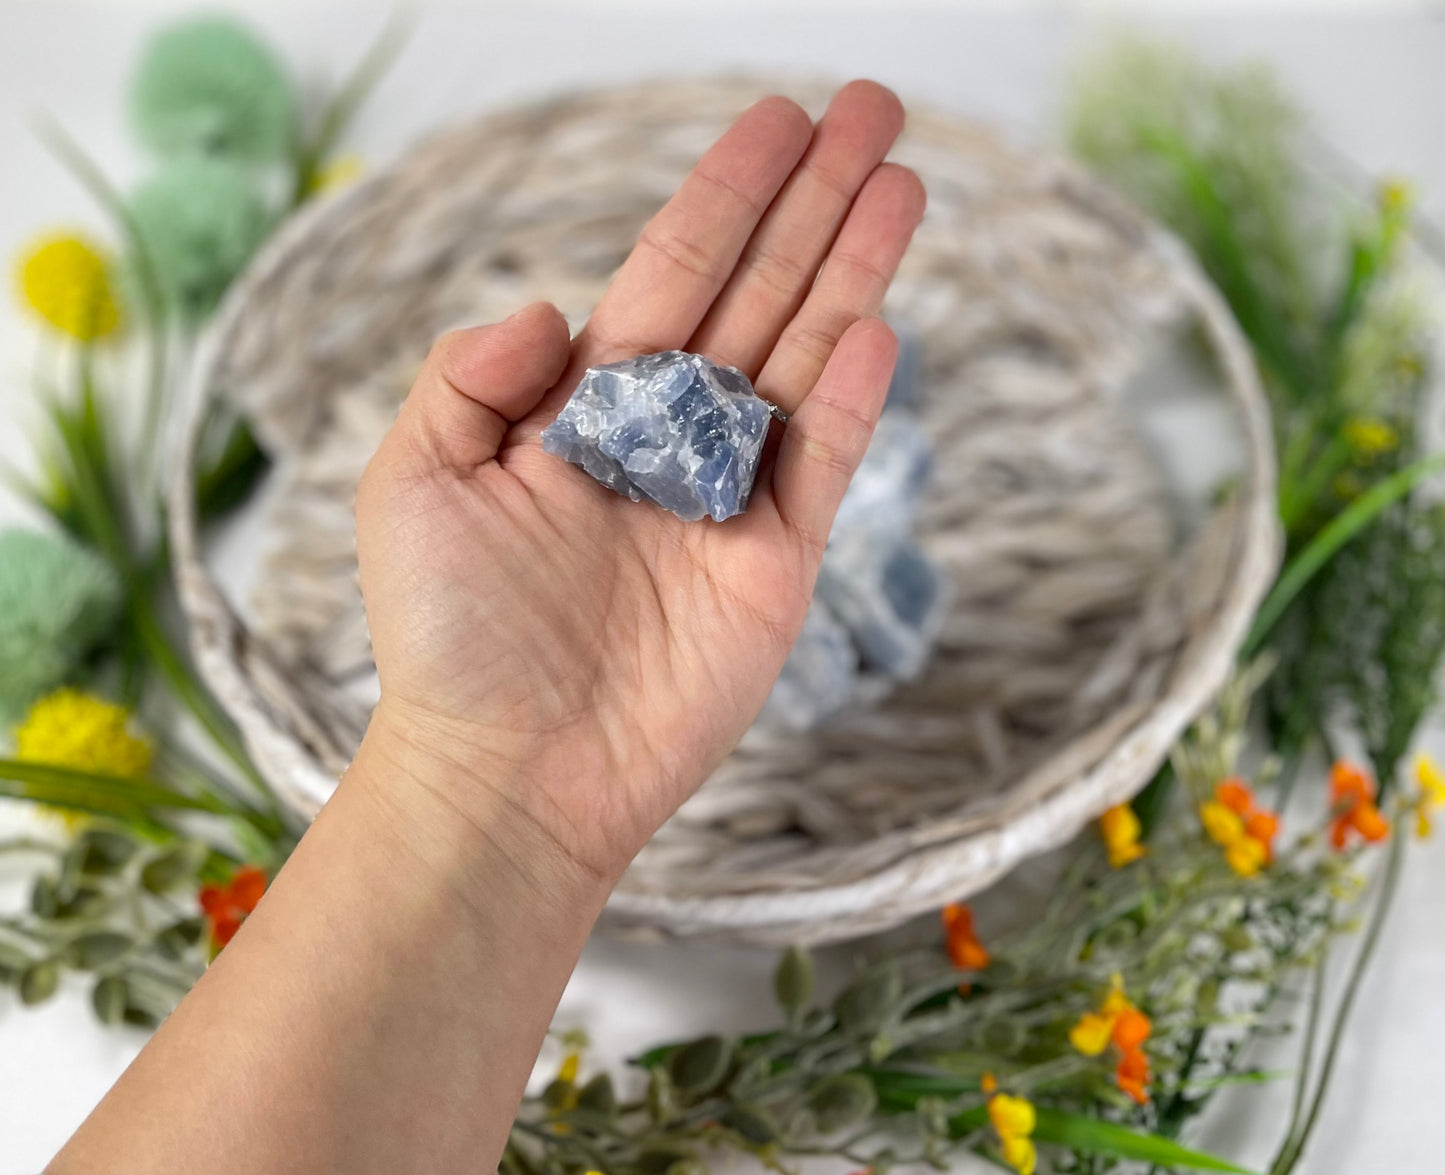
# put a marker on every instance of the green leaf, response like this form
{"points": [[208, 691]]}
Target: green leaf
{"points": [[92, 792], [108, 998], [841, 1101], [101, 852], [181, 863], [179, 937], [865, 1007], [39, 982], [794, 982], [751, 1124], [44, 898], [699, 1067], [96, 948], [598, 1096], [1087, 1135]]}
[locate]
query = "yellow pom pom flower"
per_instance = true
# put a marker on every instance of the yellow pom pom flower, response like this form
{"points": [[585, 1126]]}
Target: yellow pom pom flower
{"points": [[66, 281], [69, 728]]}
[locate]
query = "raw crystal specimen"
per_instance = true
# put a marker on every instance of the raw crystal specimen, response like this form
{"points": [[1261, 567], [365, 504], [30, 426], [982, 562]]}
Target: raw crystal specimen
{"points": [[907, 381], [819, 677], [673, 428], [880, 600], [888, 594], [885, 489]]}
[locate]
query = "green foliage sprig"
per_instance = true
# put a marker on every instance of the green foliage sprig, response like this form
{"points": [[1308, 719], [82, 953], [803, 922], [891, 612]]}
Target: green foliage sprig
{"points": [[1344, 350], [895, 1069]]}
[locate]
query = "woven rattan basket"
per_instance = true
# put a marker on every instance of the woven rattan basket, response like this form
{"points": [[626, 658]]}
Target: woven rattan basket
{"points": [[1097, 609]]}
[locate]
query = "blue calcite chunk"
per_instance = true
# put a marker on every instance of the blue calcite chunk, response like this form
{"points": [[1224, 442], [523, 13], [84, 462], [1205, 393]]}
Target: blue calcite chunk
{"points": [[880, 601], [889, 481], [672, 428], [888, 594], [907, 381], [820, 675]]}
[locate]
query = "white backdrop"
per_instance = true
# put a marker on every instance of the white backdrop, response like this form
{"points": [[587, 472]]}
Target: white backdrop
{"points": [[1374, 80]]}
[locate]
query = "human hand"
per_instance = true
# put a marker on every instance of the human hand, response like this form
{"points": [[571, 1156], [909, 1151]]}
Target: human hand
{"points": [[548, 646]]}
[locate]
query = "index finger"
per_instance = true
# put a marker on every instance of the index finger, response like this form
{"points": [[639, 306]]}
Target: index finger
{"points": [[686, 252]]}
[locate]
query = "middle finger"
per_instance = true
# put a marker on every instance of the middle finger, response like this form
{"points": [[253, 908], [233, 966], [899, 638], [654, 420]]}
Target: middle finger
{"points": [[782, 258]]}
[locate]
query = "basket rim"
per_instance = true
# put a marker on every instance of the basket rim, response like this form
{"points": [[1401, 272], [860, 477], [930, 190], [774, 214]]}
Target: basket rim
{"points": [[923, 877]]}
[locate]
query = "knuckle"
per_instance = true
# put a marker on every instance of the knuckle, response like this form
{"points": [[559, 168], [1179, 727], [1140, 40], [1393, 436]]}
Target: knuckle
{"points": [[817, 335], [779, 271], [831, 180], [827, 454], [679, 251], [731, 191], [876, 277]]}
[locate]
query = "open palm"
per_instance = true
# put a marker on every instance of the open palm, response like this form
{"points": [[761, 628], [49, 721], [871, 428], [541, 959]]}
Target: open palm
{"points": [[529, 624]]}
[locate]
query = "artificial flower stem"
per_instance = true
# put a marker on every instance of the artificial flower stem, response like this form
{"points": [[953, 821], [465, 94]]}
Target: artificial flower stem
{"points": [[1234, 276], [1334, 535], [343, 107], [69, 152], [1305, 1069], [194, 696], [1297, 496], [1294, 1146]]}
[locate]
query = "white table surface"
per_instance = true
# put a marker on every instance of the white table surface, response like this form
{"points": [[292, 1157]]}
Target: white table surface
{"points": [[1375, 82]]}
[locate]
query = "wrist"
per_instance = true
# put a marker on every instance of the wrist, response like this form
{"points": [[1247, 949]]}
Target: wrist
{"points": [[472, 812]]}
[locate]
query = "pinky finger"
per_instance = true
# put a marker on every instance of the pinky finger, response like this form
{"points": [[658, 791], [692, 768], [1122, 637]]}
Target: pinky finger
{"points": [[825, 439]]}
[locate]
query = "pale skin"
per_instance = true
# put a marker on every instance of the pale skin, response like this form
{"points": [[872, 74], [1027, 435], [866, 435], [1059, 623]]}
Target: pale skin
{"points": [[560, 668]]}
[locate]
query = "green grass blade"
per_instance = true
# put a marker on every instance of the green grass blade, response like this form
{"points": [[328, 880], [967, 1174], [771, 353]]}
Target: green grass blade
{"points": [[92, 791], [1334, 535], [353, 92], [1085, 1135]]}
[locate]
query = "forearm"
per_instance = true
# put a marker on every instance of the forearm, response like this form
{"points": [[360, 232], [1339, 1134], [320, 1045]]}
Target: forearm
{"points": [[382, 1008]]}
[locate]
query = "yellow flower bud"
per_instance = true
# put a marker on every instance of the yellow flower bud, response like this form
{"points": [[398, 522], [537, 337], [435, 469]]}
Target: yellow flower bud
{"points": [[1121, 829], [1223, 825], [1370, 436], [1090, 1035], [1011, 1116], [1020, 1154], [1247, 856]]}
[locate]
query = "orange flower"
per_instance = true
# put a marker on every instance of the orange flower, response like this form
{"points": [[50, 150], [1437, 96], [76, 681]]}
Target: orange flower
{"points": [[1352, 795], [1131, 1029], [1235, 795], [227, 906], [1132, 1075], [1119, 1023], [1243, 830], [964, 949]]}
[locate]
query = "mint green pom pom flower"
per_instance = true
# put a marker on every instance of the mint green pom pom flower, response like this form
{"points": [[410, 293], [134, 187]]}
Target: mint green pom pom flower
{"points": [[57, 602], [201, 218], [210, 85]]}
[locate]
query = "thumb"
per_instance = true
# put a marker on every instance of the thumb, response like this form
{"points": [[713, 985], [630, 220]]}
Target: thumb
{"points": [[478, 382]]}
